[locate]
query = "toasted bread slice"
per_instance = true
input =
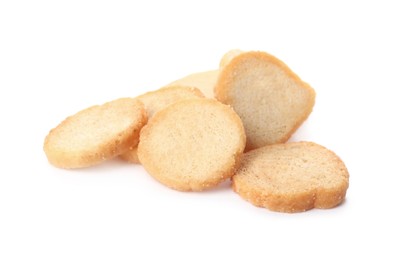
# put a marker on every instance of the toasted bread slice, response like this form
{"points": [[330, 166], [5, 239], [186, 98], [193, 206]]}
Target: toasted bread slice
{"points": [[292, 177], [96, 134], [204, 81], [157, 100], [192, 145], [270, 99]]}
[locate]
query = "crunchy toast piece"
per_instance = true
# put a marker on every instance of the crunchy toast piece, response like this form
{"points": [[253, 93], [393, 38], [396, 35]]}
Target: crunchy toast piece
{"points": [[292, 177]]}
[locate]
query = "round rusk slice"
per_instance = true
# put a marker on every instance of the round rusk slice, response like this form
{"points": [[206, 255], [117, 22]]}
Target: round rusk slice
{"points": [[192, 145], [292, 177], [95, 134]]}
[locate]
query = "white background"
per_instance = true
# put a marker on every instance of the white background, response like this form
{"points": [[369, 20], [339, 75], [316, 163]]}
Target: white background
{"points": [[58, 57]]}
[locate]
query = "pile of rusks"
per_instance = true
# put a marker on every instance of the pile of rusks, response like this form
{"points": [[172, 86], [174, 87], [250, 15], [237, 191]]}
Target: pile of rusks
{"points": [[231, 123]]}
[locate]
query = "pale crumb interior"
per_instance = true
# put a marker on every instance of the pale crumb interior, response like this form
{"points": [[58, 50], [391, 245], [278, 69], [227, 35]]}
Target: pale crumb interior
{"points": [[197, 145], [96, 126], [269, 102], [283, 170]]}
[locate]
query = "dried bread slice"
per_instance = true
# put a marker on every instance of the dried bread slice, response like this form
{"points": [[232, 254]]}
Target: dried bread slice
{"points": [[192, 145], [156, 100], [292, 177], [204, 81], [271, 100], [95, 134]]}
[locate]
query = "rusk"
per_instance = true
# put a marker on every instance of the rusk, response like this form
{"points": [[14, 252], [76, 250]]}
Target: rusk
{"points": [[271, 100], [192, 145], [292, 177], [95, 134]]}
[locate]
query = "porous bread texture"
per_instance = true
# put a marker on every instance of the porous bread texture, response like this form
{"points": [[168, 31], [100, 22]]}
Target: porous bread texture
{"points": [[192, 145], [271, 100], [292, 177], [204, 81], [155, 101], [95, 134]]}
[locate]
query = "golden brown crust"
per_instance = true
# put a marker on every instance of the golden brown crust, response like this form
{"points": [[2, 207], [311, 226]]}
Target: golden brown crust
{"points": [[292, 177], [192, 145], [252, 78], [157, 100], [95, 134]]}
